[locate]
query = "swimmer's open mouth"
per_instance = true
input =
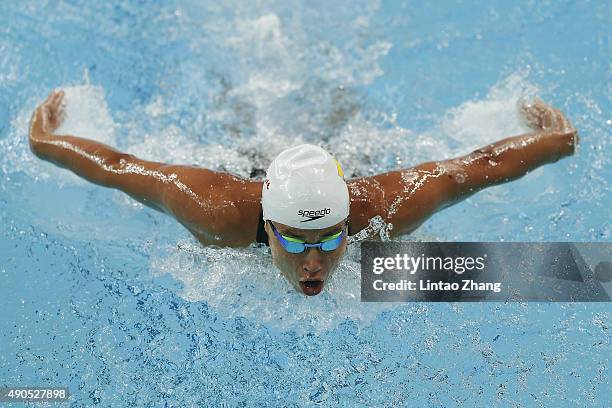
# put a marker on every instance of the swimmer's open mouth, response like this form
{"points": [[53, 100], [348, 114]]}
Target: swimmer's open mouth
{"points": [[311, 287]]}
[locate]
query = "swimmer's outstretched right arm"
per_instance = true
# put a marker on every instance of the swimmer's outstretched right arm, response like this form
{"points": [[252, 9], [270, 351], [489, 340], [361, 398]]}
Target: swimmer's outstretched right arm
{"points": [[406, 198], [217, 208]]}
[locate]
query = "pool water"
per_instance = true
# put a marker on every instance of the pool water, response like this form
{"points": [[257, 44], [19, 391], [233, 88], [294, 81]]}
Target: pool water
{"points": [[120, 304]]}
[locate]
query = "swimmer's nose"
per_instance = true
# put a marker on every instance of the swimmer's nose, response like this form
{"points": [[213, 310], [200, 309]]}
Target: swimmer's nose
{"points": [[312, 268], [312, 264]]}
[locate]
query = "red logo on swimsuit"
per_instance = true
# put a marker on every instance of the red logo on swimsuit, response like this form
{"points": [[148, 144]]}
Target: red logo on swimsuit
{"points": [[267, 184]]}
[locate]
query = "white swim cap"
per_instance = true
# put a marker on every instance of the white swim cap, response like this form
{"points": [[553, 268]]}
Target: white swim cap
{"points": [[304, 188]]}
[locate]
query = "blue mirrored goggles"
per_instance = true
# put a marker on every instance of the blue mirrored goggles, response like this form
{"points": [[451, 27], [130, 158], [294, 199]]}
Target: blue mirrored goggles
{"points": [[296, 246]]}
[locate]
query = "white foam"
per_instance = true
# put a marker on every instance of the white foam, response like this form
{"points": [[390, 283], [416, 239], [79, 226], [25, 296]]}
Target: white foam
{"points": [[364, 149], [474, 124], [274, 52], [244, 282], [86, 116], [172, 145]]}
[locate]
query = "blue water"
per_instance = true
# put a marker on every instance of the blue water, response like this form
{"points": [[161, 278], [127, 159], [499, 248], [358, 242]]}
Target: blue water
{"points": [[118, 302]]}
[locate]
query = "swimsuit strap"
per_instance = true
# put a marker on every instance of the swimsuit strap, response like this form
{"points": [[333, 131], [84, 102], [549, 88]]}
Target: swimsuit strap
{"points": [[262, 237]]}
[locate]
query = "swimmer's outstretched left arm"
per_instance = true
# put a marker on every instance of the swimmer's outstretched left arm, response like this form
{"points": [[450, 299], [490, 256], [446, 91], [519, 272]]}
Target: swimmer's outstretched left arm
{"points": [[92, 160], [406, 198], [217, 208]]}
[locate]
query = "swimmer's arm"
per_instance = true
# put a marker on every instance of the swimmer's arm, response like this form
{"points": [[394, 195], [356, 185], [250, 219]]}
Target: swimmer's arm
{"points": [[217, 208], [94, 161], [411, 196]]}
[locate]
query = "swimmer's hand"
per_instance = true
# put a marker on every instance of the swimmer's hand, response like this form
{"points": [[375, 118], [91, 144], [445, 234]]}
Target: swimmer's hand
{"points": [[544, 118], [47, 117]]}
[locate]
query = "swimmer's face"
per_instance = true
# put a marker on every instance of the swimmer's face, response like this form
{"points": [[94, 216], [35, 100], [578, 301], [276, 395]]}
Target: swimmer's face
{"points": [[307, 271]]}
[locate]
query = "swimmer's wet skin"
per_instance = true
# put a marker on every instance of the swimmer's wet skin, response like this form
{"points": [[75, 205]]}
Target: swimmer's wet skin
{"points": [[224, 210]]}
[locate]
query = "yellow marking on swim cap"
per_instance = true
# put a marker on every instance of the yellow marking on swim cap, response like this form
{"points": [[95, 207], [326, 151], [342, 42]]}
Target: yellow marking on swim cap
{"points": [[340, 172]]}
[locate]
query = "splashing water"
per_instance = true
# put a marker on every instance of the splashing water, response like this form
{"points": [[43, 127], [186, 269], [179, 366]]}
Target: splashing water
{"points": [[124, 296], [210, 274]]}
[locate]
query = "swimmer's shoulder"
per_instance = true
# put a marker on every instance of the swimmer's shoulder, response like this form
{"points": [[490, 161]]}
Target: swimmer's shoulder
{"points": [[247, 199], [218, 208], [367, 201], [242, 208]]}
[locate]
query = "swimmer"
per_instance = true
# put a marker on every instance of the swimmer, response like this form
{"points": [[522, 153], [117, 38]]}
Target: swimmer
{"points": [[304, 209]]}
